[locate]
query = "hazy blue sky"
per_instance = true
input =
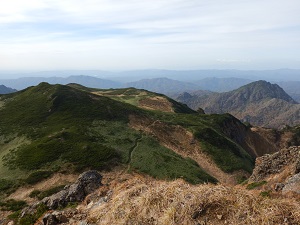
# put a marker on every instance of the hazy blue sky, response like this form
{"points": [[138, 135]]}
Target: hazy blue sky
{"points": [[142, 34]]}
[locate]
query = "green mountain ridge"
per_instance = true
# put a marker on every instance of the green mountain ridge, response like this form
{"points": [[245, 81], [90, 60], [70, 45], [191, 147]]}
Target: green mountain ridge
{"points": [[63, 126], [48, 131]]}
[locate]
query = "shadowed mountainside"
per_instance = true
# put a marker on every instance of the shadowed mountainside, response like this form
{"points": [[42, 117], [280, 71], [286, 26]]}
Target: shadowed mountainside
{"points": [[259, 103]]}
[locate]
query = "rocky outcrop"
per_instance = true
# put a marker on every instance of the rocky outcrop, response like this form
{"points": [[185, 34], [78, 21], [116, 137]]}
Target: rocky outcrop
{"points": [[86, 183], [282, 169], [54, 218], [292, 184], [271, 164]]}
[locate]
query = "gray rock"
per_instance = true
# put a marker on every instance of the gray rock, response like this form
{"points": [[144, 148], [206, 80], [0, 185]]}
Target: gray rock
{"points": [[60, 217], [56, 200], [292, 184], [85, 184], [50, 219], [274, 163], [279, 186], [297, 167], [83, 223]]}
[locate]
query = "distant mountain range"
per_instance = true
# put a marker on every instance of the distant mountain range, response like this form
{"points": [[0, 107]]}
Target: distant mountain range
{"points": [[183, 75], [163, 85], [260, 103], [168, 82], [88, 81], [173, 88], [221, 84], [6, 90], [170, 86]]}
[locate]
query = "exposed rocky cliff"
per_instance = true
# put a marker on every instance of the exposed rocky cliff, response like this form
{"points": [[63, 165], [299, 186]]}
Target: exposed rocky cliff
{"points": [[280, 170]]}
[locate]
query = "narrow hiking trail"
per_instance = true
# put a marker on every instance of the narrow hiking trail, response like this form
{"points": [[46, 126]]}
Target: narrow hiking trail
{"points": [[131, 150]]}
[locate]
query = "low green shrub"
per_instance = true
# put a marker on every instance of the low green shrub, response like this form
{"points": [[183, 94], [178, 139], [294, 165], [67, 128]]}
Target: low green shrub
{"points": [[162, 163], [5, 184], [34, 194], [12, 205], [14, 216], [30, 219], [255, 184], [42, 194], [265, 193], [38, 176]]}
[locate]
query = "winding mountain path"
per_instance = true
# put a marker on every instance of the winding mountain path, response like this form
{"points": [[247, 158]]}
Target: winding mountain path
{"points": [[131, 151]]}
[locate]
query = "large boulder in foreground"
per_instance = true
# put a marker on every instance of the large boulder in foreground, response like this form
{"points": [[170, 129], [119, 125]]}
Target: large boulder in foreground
{"points": [[86, 183]]}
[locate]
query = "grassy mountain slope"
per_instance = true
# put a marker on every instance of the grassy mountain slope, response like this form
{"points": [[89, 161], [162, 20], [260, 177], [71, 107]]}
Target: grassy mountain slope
{"points": [[260, 103], [49, 132], [140, 98], [66, 126], [50, 128]]}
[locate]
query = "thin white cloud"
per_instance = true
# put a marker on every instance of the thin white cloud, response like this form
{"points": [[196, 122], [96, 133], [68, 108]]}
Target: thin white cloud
{"points": [[134, 33]]}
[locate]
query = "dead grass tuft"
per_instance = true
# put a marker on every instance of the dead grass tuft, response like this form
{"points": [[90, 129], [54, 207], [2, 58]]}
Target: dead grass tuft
{"points": [[145, 201]]}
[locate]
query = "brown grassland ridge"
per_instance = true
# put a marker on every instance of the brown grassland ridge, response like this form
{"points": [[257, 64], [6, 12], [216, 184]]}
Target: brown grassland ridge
{"points": [[137, 199]]}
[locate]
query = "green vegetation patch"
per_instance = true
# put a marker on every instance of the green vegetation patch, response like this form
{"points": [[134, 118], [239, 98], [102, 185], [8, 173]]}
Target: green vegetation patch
{"points": [[38, 176], [72, 147], [5, 184], [42, 194], [30, 219], [151, 158], [227, 154], [265, 194], [7, 187], [133, 96], [12, 205], [256, 184], [63, 125], [209, 130], [115, 134]]}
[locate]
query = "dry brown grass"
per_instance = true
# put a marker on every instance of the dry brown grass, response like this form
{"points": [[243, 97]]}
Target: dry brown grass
{"points": [[145, 201]]}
